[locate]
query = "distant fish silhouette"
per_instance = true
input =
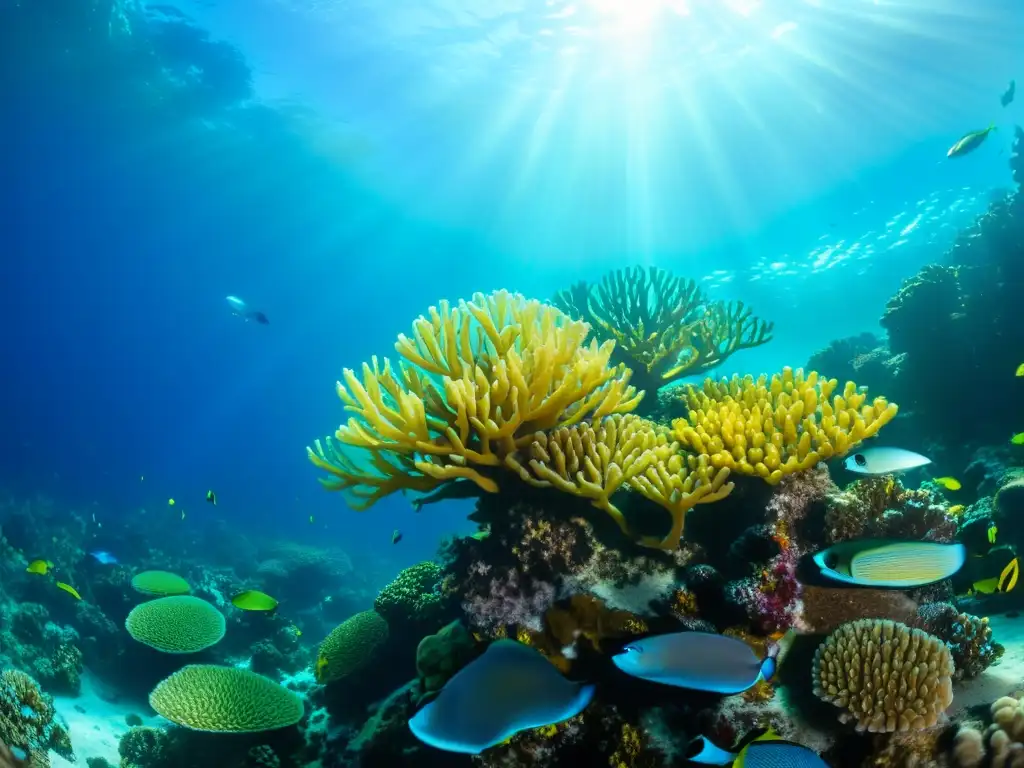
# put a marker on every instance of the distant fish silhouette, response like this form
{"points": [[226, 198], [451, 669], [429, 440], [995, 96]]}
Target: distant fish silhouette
{"points": [[240, 309], [104, 557], [1008, 94]]}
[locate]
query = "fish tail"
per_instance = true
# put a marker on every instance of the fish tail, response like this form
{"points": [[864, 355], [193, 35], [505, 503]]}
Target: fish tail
{"points": [[776, 653], [701, 750], [583, 697]]}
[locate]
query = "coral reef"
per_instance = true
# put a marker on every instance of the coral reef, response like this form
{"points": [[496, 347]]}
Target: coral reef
{"points": [[663, 326], [881, 507], [28, 720], [771, 428], [969, 638], [507, 368]]}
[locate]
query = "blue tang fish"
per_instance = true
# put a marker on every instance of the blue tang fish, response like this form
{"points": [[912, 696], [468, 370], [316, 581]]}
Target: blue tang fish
{"points": [[509, 689], [765, 751], [702, 661], [891, 563]]}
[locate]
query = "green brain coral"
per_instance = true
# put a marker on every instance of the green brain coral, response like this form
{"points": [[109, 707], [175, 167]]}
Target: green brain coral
{"points": [[350, 646], [205, 697], [160, 583], [179, 624], [414, 595]]}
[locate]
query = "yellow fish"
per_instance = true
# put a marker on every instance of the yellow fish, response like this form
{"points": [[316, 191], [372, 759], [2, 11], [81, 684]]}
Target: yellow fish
{"points": [[956, 510], [254, 600], [211, 497], [1018, 439], [1020, 369], [1005, 582], [69, 589], [992, 532], [321, 665], [170, 502], [40, 567], [949, 483]]}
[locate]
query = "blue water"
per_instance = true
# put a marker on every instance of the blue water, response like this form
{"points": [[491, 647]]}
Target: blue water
{"points": [[347, 164]]}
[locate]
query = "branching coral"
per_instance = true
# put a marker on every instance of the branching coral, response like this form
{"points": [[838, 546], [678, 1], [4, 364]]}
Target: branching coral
{"points": [[479, 380], [664, 326], [623, 452], [773, 428], [969, 638]]}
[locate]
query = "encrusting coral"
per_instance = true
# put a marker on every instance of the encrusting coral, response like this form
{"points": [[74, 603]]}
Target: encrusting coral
{"points": [[772, 428], [663, 326], [885, 676], [480, 379]]}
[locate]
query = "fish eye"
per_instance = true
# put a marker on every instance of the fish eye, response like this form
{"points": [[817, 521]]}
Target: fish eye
{"points": [[831, 560], [632, 649], [860, 460]]}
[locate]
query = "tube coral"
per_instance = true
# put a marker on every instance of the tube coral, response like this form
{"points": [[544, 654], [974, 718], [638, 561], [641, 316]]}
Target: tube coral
{"points": [[772, 428], [479, 379]]}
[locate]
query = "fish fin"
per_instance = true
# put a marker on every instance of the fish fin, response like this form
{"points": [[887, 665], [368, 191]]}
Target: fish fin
{"points": [[703, 751], [1008, 578], [776, 654]]}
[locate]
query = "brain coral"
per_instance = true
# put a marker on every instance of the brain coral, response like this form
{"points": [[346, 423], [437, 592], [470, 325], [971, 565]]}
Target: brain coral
{"points": [[350, 646], [884, 675], [160, 583], [205, 697], [179, 624]]}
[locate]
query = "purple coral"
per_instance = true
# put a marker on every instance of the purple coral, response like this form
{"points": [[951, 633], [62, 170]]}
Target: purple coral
{"points": [[506, 603]]}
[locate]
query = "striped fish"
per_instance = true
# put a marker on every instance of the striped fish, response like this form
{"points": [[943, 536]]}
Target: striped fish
{"points": [[891, 563]]}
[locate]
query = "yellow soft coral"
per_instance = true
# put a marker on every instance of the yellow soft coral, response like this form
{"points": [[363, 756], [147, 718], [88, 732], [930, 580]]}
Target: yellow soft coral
{"points": [[773, 428], [596, 460], [479, 380]]}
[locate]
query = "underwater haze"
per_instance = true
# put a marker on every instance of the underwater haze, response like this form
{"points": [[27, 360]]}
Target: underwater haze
{"points": [[342, 166]]}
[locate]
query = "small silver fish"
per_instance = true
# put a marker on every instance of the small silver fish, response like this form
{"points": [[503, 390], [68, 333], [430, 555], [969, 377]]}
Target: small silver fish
{"points": [[884, 461]]}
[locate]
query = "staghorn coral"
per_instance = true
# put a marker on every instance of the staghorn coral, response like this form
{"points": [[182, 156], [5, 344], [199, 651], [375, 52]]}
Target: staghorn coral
{"points": [[663, 326], [594, 461], [480, 379], [215, 699], [29, 721], [350, 646], [885, 676], [772, 428]]}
